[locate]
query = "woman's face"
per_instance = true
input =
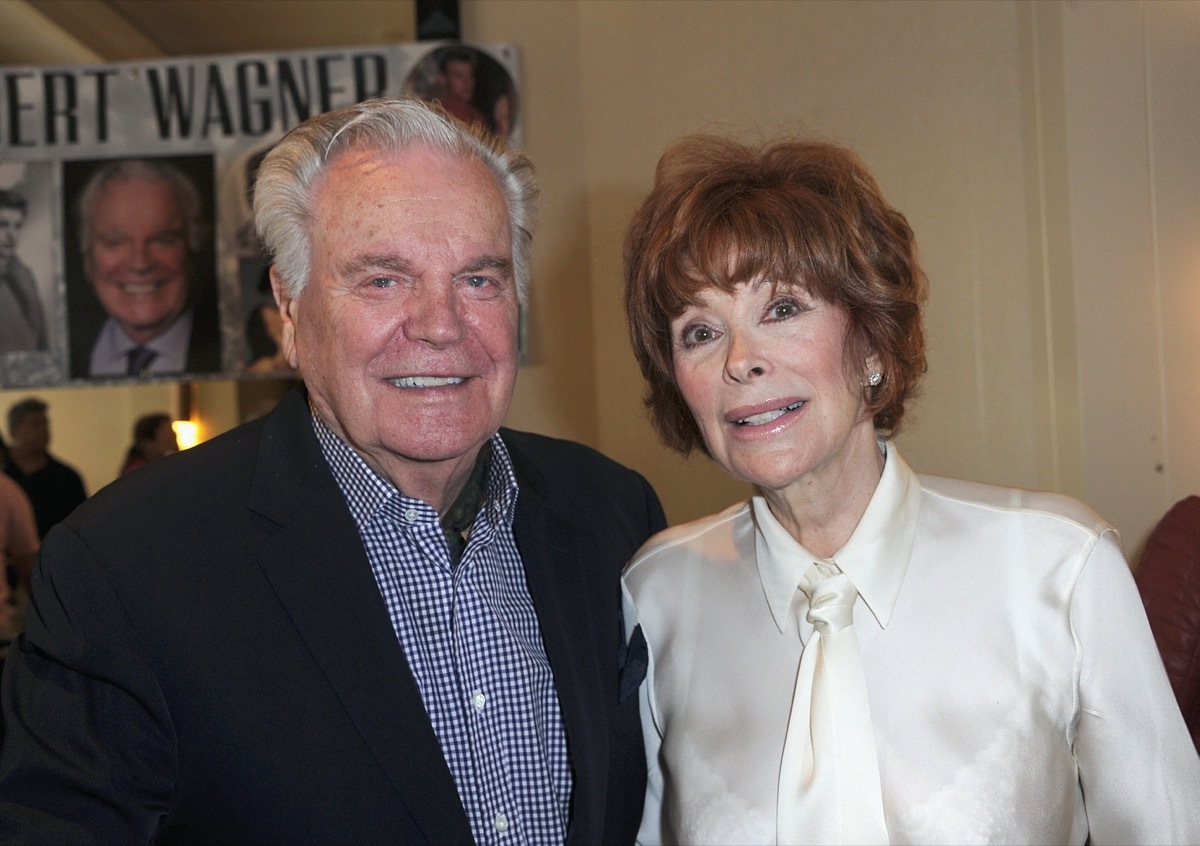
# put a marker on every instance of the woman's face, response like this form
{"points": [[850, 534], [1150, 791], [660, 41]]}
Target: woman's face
{"points": [[767, 379]]}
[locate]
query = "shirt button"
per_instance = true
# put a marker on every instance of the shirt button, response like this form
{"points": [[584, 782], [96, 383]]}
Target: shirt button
{"points": [[501, 823], [411, 515], [478, 700]]}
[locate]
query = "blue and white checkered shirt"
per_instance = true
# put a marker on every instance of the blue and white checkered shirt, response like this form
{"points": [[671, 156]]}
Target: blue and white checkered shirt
{"points": [[471, 637]]}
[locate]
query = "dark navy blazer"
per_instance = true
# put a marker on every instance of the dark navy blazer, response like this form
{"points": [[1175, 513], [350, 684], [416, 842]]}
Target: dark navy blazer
{"points": [[208, 659]]}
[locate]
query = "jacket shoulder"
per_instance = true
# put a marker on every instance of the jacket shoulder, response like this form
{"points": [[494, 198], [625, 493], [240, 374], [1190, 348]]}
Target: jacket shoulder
{"points": [[196, 486]]}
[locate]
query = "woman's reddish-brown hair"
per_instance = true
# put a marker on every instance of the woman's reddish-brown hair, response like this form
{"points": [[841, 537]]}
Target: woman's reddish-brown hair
{"points": [[792, 212]]}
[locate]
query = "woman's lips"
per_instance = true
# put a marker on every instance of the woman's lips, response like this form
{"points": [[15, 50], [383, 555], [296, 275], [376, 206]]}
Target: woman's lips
{"points": [[762, 415]]}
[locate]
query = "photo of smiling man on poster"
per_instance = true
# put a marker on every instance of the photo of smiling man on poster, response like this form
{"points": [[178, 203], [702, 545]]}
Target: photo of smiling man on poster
{"points": [[140, 281]]}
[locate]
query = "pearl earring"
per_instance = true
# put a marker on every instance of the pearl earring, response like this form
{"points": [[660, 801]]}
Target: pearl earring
{"points": [[875, 378]]}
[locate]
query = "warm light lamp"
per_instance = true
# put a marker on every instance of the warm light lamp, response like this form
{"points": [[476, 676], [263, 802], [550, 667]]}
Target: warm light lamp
{"points": [[187, 432]]}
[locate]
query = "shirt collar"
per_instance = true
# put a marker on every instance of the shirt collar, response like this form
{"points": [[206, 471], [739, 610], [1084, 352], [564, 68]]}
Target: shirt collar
{"points": [[366, 492], [875, 557], [171, 345]]}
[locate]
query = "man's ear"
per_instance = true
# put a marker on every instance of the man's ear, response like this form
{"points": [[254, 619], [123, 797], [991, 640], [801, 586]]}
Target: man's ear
{"points": [[287, 315]]}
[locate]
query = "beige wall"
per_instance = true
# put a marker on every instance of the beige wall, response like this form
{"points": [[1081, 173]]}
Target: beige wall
{"points": [[929, 94], [1044, 153], [1133, 124]]}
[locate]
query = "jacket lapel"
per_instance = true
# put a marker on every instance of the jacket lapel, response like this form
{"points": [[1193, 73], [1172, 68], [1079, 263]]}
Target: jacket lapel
{"points": [[312, 554], [552, 548]]}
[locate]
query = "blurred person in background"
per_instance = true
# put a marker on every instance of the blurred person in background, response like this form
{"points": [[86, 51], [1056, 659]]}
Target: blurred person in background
{"points": [[54, 488], [153, 438]]}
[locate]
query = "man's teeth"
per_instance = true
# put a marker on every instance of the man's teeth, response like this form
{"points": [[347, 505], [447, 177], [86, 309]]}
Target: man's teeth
{"points": [[768, 416], [426, 381]]}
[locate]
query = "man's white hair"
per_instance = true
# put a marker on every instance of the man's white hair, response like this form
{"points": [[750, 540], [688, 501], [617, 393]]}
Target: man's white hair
{"points": [[283, 188]]}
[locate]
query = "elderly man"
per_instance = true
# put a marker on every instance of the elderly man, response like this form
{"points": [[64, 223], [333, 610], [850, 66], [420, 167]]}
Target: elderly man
{"points": [[373, 615], [141, 228], [22, 319]]}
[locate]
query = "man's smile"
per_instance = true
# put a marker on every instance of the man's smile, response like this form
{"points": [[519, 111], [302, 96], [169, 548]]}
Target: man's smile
{"points": [[426, 381]]}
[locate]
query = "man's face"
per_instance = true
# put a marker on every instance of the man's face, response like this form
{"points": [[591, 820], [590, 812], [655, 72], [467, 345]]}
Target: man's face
{"points": [[32, 431], [460, 80], [137, 258], [11, 221], [406, 333]]}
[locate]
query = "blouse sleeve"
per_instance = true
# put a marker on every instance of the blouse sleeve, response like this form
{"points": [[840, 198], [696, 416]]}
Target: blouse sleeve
{"points": [[1138, 768]]}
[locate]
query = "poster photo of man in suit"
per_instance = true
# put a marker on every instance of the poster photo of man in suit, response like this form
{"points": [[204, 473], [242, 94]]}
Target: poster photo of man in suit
{"points": [[373, 615], [141, 286]]}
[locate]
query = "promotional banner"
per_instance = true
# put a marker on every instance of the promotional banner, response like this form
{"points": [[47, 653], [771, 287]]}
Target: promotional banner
{"points": [[127, 252]]}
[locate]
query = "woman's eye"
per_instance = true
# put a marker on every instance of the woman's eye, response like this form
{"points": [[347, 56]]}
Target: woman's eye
{"points": [[783, 309], [694, 336]]}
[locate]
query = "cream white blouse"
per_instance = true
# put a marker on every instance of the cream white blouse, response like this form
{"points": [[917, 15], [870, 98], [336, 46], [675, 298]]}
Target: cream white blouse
{"points": [[1016, 691]]}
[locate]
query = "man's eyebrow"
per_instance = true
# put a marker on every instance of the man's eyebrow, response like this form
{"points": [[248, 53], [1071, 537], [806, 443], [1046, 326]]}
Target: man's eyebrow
{"points": [[388, 262], [396, 264], [503, 264]]}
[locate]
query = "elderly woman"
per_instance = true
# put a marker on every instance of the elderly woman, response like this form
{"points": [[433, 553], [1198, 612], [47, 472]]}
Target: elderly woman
{"points": [[859, 654]]}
